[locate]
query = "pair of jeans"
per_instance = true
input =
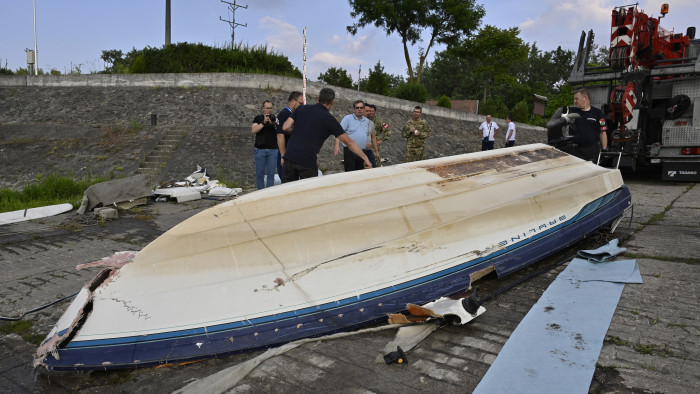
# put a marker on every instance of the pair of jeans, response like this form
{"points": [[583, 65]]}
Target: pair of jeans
{"points": [[265, 164]]}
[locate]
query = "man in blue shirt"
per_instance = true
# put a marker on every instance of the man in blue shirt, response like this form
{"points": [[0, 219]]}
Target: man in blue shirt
{"points": [[310, 126], [356, 125]]}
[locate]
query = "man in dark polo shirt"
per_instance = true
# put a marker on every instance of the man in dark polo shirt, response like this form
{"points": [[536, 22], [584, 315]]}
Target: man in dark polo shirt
{"points": [[310, 126], [294, 101]]}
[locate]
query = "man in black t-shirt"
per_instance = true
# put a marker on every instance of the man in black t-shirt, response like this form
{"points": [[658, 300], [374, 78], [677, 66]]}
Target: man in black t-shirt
{"points": [[310, 126], [265, 129], [588, 129]]}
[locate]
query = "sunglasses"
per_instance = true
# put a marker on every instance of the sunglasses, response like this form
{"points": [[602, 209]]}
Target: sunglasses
{"points": [[359, 107]]}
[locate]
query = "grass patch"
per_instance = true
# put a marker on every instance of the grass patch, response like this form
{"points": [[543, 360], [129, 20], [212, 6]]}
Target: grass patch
{"points": [[72, 227], [665, 352], [19, 141], [48, 190], [619, 342], [656, 218], [644, 349], [22, 328], [225, 178], [65, 145], [135, 126], [115, 138]]}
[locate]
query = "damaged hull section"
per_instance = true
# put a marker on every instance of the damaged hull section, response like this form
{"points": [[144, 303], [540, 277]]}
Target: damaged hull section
{"points": [[331, 254]]}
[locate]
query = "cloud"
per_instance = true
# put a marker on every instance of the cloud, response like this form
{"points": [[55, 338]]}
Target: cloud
{"points": [[333, 60], [356, 44], [282, 36], [320, 62], [561, 23]]}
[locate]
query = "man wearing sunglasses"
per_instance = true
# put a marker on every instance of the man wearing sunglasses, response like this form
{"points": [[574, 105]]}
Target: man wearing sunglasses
{"points": [[356, 126]]}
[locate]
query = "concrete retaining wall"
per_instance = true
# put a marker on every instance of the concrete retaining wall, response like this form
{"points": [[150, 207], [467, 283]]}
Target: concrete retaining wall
{"points": [[218, 108]]}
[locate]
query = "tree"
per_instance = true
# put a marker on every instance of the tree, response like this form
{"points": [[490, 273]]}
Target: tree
{"points": [[336, 77], [115, 58], [495, 107], [563, 98], [378, 80], [545, 72], [450, 74], [411, 91], [521, 111], [599, 56], [447, 21], [500, 52]]}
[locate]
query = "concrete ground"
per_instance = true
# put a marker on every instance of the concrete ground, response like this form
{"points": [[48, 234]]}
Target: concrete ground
{"points": [[652, 345]]}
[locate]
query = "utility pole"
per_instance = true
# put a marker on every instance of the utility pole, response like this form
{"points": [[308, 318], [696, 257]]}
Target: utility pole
{"points": [[233, 7], [167, 23], [359, 74], [36, 53]]}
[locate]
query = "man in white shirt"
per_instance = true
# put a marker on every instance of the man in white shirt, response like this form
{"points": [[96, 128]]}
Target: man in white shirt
{"points": [[488, 131], [510, 133]]}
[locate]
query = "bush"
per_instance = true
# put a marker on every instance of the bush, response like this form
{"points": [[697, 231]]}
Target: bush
{"points": [[199, 58], [139, 65], [412, 92], [444, 102]]}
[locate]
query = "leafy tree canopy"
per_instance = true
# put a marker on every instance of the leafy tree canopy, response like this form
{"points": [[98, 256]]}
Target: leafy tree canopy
{"points": [[378, 80], [446, 21], [336, 77]]}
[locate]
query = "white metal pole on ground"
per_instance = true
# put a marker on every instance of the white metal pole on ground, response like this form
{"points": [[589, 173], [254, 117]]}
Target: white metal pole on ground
{"points": [[36, 54], [304, 67]]}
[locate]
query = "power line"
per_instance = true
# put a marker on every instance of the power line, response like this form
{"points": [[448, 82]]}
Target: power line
{"points": [[232, 7]]}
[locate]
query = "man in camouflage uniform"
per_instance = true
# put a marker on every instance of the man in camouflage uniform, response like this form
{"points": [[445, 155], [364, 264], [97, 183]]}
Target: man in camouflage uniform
{"points": [[381, 129], [416, 131]]}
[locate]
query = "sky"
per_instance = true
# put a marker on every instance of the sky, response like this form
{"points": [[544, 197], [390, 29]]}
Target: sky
{"points": [[73, 33]]}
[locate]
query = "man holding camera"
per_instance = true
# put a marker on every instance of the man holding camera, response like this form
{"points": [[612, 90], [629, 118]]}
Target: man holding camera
{"points": [[265, 130]]}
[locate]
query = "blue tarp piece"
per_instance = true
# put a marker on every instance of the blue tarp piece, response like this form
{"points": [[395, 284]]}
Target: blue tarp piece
{"points": [[603, 253], [556, 346]]}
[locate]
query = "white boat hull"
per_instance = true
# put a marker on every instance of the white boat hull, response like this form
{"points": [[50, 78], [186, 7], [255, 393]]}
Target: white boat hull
{"points": [[332, 253]]}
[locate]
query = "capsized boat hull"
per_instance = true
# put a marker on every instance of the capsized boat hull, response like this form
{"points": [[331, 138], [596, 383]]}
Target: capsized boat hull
{"points": [[319, 256]]}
